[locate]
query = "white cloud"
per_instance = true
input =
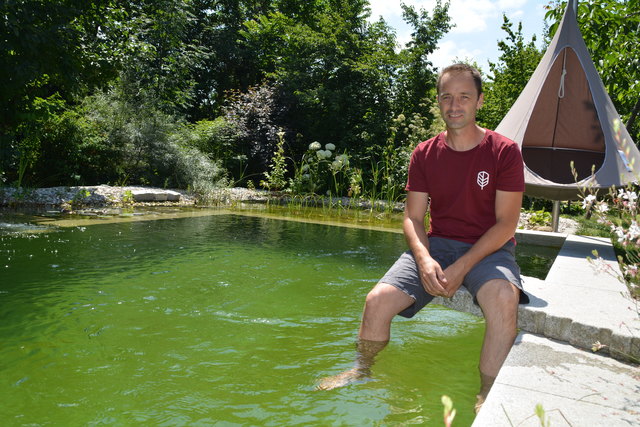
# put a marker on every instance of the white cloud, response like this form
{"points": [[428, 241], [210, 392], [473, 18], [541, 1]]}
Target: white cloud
{"points": [[476, 25], [511, 4], [449, 50], [385, 8]]}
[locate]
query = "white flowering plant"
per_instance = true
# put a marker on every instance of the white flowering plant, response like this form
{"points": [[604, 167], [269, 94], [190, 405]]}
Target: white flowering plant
{"points": [[322, 171], [618, 212]]}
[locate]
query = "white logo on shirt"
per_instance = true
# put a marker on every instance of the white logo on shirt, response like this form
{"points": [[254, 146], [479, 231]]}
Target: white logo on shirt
{"points": [[483, 179]]}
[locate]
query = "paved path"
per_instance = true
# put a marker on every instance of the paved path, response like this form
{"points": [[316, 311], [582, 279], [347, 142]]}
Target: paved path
{"points": [[575, 387], [552, 362]]}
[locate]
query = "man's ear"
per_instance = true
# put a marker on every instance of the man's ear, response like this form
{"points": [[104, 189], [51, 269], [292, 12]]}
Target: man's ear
{"points": [[480, 101]]}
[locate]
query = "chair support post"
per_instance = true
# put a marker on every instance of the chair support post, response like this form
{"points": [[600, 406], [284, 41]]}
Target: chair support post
{"points": [[555, 214]]}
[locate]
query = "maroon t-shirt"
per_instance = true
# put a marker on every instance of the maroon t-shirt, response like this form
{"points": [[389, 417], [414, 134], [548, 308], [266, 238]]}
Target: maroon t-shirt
{"points": [[462, 184]]}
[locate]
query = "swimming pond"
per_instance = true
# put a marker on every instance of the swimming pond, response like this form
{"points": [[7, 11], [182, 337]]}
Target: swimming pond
{"points": [[219, 319]]}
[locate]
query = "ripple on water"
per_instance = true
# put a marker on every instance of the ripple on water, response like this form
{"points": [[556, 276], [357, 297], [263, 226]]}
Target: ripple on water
{"points": [[244, 317]]}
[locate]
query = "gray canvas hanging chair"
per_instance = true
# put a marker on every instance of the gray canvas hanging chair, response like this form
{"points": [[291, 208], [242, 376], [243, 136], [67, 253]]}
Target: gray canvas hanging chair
{"points": [[565, 115]]}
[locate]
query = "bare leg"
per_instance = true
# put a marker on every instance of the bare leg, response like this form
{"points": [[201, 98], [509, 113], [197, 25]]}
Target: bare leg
{"points": [[383, 302], [499, 302]]}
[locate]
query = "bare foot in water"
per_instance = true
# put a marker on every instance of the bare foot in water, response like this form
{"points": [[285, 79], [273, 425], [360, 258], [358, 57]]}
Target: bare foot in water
{"points": [[479, 401], [343, 379], [486, 382]]}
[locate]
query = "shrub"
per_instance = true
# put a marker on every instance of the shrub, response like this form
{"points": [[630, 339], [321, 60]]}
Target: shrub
{"points": [[257, 117], [148, 147]]}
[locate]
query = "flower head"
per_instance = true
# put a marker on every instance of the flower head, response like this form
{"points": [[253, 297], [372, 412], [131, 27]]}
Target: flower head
{"points": [[315, 146], [588, 201], [323, 154], [330, 147], [602, 207]]}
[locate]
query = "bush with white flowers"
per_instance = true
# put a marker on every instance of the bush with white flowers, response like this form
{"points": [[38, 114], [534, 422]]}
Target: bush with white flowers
{"points": [[322, 171], [618, 211]]}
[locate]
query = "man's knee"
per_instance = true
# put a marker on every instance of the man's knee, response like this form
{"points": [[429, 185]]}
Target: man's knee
{"points": [[379, 296], [500, 297], [387, 299]]}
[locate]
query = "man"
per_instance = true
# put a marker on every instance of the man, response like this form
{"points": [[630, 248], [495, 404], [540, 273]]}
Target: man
{"points": [[471, 180]]}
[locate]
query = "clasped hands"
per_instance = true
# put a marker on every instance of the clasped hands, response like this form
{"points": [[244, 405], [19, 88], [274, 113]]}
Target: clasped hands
{"points": [[438, 282]]}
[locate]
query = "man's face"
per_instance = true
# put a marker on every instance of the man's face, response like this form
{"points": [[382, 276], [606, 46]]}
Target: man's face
{"points": [[458, 100]]}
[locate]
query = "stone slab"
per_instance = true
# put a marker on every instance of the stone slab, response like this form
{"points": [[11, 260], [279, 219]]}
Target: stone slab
{"points": [[575, 387], [154, 195], [576, 303]]}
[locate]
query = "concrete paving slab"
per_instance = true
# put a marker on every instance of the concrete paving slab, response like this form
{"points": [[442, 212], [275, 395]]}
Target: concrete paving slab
{"points": [[580, 305], [575, 303], [575, 387]]}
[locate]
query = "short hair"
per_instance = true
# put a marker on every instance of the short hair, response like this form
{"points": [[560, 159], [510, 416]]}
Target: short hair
{"points": [[461, 68]]}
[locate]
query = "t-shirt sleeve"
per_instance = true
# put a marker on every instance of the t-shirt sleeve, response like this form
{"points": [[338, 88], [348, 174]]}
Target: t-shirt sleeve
{"points": [[510, 169], [417, 180]]}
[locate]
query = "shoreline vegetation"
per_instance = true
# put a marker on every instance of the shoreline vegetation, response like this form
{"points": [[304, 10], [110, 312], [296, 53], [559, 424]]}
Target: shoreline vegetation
{"points": [[83, 200], [88, 202]]}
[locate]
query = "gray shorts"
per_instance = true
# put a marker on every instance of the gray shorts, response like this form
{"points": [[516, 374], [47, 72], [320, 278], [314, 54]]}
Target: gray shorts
{"points": [[499, 265]]}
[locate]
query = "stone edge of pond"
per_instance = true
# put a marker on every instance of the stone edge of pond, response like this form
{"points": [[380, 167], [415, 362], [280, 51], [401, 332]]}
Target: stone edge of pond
{"points": [[106, 196], [97, 198]]}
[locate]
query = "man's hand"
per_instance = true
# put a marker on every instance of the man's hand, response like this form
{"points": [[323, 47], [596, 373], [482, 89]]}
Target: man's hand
{"points": [[454, 275], [432, 277]]}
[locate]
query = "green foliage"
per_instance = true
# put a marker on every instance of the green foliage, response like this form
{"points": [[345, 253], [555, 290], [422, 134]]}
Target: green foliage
{"points": [[48, 145], [619, 215], [127, 198], [517, 61], [341, 71], [160, 57], [610, 30], [416, 76], [322, 172], [146, 146], [541, 217], [542, 415], [275, 178], [216, 138], [79, 198], [132, 92]]}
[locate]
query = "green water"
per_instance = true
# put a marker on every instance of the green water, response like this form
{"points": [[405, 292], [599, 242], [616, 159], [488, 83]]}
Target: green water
{"points": [[216, 320]]}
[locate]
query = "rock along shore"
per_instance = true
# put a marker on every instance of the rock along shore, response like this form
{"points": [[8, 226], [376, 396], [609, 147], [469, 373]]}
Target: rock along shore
{"points": [[105, 196]]}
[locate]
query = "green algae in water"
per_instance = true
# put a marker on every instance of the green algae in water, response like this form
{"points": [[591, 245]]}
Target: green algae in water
{"points": [[225, 320]]}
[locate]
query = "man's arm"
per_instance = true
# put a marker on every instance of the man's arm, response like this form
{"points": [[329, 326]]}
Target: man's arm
{"points": [[508, 205], [431, 273]]}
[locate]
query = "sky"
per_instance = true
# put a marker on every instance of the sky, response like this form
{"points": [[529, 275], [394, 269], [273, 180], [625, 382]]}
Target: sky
{"points": [[477, 26]]}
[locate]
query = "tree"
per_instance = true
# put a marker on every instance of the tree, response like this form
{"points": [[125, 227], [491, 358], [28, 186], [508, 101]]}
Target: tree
{"points": [[51, 52], [611, 31], [160, 58], [336, 68], [417, 75], [509, 75]]}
